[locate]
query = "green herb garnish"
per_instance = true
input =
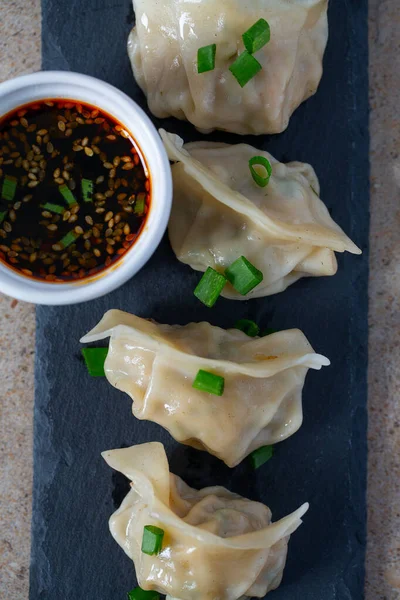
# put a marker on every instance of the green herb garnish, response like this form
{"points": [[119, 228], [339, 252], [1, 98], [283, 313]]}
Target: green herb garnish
{"points": [[67, 195], [54, 208], [87, 189], [9, 188], [249, 327], [95, 359], [206, 58], [261, 456], [210, 287], [152, 540], [260, 161], [243, 276], [209, 382], [257, 36], [245, 68], [139, 594]]}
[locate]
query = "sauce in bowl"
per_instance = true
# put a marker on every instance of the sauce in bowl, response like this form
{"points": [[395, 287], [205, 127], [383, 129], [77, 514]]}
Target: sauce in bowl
{"points": [[74, 190]]}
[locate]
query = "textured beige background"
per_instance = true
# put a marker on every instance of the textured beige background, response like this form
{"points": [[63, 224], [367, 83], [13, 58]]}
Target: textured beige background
{"points": [[20, 53]]}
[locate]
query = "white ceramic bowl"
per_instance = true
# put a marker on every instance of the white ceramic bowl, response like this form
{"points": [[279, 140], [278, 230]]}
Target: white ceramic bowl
{"points": [[60, 84]]}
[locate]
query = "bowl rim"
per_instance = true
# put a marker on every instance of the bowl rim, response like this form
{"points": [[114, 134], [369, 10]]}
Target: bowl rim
{"points": [[145, 133]]}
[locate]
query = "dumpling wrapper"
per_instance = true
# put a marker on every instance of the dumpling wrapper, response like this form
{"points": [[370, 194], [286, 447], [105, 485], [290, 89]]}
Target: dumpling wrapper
{"points": [[163, 51], [216, 544], [157, 364], [219, 213]]}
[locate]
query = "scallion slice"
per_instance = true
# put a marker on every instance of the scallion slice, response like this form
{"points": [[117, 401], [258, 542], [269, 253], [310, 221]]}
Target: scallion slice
{"points": [[87, 189], [209, 382], [54, 208], [94, 359], [67, 195], [267, 331], [68, 239], [152, 540], [249, 327], [261, 456], [139, 594], [3, 214], [9, 188], [243, 275], [210, 287], [206, 58], [140, 203], [260, 161], [245, 68], [257, 36]]}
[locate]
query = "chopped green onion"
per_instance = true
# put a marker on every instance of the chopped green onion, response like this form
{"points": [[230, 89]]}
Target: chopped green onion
{"points": [[139, 594], [54, 208], [243, 275], [152, 540], [245, 68], [263, 162], [94, 359], [67, 195], [140, 201], [206, 58], [267, 331], [261, 456], [249, 327], [9, 188], [68, 239], [209, 382], [3, 214], [257, 36], [87, 189], [210, 287]]}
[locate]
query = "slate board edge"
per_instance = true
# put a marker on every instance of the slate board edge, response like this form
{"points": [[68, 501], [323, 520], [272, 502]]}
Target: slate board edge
{"points": [[360, 139]]}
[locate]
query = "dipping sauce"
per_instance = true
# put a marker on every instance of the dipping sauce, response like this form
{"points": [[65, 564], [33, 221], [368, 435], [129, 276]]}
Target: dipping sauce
{"points": [[74, 190]]}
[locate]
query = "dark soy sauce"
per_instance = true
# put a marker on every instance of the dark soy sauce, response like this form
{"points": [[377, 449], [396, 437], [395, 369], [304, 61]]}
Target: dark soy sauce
{"points": [[74, 190]]}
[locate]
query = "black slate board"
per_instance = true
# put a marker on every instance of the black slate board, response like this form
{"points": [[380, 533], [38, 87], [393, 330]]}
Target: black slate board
{"points": [[76, 417]]}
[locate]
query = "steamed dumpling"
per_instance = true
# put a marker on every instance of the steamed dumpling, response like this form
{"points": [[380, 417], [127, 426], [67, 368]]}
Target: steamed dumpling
{"points": [[219, 213], [163, 50], [157, 364], [216, 543]]}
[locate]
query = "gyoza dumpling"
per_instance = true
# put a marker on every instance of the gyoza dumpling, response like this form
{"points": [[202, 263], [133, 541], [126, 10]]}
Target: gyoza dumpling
{"points": [[216, 544], [157, 364], [219, 213], [163, 50]]}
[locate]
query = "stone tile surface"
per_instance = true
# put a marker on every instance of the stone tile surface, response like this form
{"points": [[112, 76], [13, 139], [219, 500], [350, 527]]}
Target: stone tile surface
{"points": [[20, 53], [383, 556]]}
